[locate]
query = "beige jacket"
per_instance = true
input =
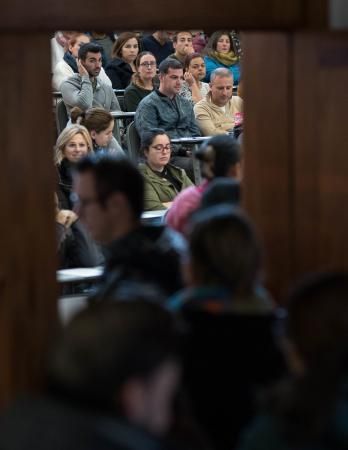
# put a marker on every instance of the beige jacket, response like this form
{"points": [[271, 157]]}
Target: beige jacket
{"points": [[212, 120]]}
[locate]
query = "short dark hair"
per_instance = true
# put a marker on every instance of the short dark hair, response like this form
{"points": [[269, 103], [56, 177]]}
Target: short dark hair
{"points": [[90, 47], [107, 344], [218, 154], [115, 175], [148, 136], [224, 249], [175, 37], [169, 63]]}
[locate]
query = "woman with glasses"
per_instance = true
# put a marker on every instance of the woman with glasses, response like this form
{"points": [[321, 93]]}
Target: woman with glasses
{"points": [[121, 68], [142, 81], [163, 181]]}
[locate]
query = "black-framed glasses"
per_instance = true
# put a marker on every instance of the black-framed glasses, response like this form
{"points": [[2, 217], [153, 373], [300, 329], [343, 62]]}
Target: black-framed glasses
{"points": [[148, 64]]}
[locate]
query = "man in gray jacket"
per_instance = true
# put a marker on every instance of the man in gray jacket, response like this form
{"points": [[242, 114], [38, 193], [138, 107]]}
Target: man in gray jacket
{"points": [[84, 89], [165, 108]]}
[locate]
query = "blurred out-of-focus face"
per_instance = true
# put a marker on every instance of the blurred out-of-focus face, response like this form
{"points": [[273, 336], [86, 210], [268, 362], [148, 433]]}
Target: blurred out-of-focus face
{"points": [[197, 68], [147, 67], [103, 138], [223, 45], [76, 148], [130, 50], [80, 40]]}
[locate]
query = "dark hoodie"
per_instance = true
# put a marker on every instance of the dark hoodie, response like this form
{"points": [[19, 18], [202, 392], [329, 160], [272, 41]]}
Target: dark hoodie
{"points": [[119, 72]]}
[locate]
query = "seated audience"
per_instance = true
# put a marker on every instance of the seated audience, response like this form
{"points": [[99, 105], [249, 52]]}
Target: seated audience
{"points": [[68, 65], [122, 65], [85, 89], [220, 157], [219, 111], [230, 351], [72, 144], [158, 44], [309, 410], [111, 382], [163, 181], [193, 88], [165, 108], [219, 53], [110, 201], [142, 81], [182, 42], [100, 125]]}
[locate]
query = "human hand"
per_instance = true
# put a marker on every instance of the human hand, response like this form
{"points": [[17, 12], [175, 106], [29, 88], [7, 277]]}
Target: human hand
{"points": [[81, 68], [188, 77], [66, 217], [189, 49]]}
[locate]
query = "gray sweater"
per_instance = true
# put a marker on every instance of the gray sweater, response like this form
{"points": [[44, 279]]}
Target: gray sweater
{"points": [[78, 91]]}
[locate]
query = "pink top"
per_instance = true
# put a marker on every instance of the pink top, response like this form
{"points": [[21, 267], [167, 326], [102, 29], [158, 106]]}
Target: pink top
{"points": [[184, 204]]}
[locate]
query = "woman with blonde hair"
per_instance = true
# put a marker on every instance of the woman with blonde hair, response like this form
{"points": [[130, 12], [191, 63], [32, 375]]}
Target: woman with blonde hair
{"points": [[100, 125], [73, 143], [121, 68], [142, 81]]}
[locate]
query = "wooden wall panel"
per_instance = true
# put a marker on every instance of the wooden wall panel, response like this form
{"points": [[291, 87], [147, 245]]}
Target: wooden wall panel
{"points": [[27, 241], [267, 148], [151, 14], [321, 137]]}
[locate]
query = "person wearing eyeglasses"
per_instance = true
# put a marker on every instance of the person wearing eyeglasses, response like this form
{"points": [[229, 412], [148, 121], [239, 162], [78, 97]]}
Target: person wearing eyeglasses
{"points": [[142, 81], [163, 181]]}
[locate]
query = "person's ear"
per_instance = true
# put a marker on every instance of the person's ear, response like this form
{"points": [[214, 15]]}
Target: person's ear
{"points": [[93, 134]]}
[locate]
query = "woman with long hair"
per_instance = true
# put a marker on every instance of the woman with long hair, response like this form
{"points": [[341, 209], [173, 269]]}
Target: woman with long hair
{"points": [[163, 181], [219, 52], [122, 66], [100, 125], [142, 81]]}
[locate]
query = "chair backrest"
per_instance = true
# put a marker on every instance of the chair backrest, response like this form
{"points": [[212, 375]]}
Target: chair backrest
{"points": [[120, 99], [133, 142], [62, 117]]}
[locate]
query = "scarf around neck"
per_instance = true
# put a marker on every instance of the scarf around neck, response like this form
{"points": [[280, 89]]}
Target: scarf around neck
{"points": [[227, 59], [69, 59]]}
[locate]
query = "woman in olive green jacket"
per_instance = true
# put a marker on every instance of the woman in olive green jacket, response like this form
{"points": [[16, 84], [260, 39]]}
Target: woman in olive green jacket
{"points": [[163, 181]]}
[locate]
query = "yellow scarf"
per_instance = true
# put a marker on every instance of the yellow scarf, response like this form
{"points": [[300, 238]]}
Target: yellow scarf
{"points": [[227, 59]]}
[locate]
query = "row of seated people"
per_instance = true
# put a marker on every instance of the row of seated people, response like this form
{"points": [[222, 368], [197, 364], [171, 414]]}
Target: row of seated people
{"points": [[219, 52], [216, 110], [166, 186], [218, 113], [151, 363]]}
